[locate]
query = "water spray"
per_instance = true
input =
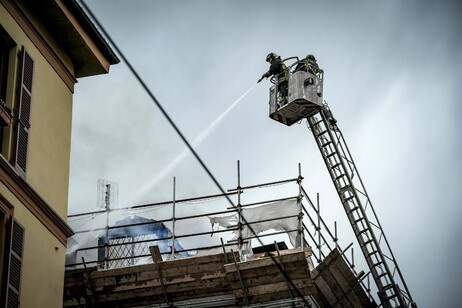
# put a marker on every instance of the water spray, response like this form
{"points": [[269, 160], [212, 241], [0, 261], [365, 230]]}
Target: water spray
{"points": [[196, 142]]}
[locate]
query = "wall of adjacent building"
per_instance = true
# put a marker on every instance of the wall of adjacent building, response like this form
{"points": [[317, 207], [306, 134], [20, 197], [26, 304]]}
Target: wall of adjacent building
{"points": [[42, 276], [51, 119]]}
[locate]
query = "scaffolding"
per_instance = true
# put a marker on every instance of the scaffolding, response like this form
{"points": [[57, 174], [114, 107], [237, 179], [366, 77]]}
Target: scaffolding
{"points": [[310, 231]]}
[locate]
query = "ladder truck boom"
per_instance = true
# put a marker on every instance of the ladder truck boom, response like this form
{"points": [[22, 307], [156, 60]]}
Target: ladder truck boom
{"points": [[305, 101]]}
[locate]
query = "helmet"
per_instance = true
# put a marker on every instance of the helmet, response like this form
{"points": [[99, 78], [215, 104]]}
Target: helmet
{"points": [[271, 56], [311, 57]]}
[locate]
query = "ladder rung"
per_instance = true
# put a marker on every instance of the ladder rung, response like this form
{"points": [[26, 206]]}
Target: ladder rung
{"points": [[316, 123], [381, 275], [326, 144], [388, 286], [349, 198], [321, 133], [353, 209], [335, 166], [344, 188], [339, 177], [367, 242], [372, 253], [331, 154], [390, 297], [358, 220], [362, 231], [377, 264]]}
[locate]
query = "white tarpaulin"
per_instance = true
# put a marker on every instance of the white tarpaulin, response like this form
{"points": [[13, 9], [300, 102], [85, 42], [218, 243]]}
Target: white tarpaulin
{"points": [[282, 216]]}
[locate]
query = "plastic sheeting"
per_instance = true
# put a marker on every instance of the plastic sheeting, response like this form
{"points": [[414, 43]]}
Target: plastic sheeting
{"points": [[132, 227], [281, 216]]}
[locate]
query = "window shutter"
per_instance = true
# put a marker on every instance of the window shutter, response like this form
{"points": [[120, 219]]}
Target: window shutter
{"points": [[14, 263], [24, 108]]}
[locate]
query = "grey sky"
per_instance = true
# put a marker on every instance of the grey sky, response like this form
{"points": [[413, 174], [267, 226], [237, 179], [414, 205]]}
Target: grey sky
{"points": [[392, 74]]}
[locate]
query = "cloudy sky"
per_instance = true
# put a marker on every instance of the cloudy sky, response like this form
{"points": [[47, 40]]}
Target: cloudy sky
{"points": [[392, 78]]}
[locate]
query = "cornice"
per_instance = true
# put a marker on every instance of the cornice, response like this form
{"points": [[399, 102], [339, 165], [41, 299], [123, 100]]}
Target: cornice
{"points": [[33, 202], [39, 41]]}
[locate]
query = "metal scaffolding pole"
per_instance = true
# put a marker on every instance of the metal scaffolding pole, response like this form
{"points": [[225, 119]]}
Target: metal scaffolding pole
{"points": [[173, 219], [299, 204], [239, 210]]}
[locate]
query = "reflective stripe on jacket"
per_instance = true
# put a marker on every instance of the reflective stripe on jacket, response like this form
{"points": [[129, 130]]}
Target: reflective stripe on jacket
{"points": [[284, 72]]}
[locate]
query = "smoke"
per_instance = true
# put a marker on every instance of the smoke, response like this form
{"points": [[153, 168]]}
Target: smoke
{"points": [[196, 142]]}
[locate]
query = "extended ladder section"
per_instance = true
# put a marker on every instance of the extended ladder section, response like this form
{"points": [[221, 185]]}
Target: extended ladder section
{"points": [[392, 289]]}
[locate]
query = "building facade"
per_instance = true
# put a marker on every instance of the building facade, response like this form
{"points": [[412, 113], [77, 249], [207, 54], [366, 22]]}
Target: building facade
{"points": [[45, 46]]}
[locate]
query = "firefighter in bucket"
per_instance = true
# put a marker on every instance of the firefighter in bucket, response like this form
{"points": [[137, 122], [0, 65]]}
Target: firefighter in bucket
{"points": [[295, 95], [280, 71]]}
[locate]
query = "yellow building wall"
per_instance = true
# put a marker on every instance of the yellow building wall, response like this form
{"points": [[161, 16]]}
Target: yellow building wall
{"points": [[47, 172], [42, 277], [51, 119], [50, 136]]}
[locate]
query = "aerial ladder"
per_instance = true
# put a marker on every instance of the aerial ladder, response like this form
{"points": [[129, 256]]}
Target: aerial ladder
{"points": [[305, 101]]}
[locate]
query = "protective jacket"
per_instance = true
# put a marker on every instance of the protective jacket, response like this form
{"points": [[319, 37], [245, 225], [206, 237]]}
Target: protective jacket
{"points": [[278, 69], [312, 67], [308, 66]]}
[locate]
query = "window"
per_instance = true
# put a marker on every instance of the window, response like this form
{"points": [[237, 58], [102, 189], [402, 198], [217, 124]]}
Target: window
{"points": [[19, 132], [6, 44], [13, 260], [23, 112], [3, 233], [11, 250]]}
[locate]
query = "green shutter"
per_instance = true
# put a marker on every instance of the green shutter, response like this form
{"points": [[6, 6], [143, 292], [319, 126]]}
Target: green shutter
{"points": [[24, 109]]}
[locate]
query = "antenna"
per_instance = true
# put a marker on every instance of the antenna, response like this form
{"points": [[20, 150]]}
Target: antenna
{"points": [[107, 195]]}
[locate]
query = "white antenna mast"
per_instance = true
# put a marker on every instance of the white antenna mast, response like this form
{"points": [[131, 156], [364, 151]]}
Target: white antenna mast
{"points": [[107, 194], [107, 197]]}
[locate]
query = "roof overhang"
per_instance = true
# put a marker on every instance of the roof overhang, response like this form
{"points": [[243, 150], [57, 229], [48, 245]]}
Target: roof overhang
{"points": [[76, 34]]}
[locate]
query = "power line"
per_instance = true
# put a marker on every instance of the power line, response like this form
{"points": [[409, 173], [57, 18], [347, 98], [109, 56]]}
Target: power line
{"points": [[154, 99]]}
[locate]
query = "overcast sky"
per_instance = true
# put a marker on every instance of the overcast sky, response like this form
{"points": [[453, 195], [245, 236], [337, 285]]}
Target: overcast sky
{"points": [[392, 78]]}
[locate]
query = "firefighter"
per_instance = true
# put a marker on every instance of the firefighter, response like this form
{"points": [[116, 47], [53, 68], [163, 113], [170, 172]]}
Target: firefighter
{"points": [[308, 65], [313, 67], [278, 69]]}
